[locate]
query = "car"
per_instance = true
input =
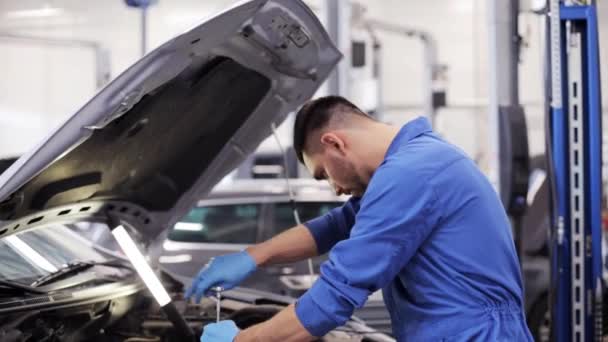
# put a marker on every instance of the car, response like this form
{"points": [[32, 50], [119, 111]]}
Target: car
{"points": [[239, 214], [247, 211], [136, 158], [99, 297]]}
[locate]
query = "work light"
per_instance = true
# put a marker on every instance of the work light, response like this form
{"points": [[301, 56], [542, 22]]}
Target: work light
{"points": [[146, 273]]}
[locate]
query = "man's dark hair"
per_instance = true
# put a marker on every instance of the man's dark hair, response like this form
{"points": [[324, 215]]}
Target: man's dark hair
{"points": [[317, 114]]}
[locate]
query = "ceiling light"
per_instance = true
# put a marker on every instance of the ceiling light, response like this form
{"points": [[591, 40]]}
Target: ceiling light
{"points": [[175, 259], [43, 12]]}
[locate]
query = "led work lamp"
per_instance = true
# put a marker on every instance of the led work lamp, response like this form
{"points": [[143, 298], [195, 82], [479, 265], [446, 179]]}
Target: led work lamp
{"points": [[145, 272]]}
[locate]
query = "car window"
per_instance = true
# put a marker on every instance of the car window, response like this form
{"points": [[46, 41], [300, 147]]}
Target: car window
{"points": [[234, 223], [283, 213], [29, 255]]}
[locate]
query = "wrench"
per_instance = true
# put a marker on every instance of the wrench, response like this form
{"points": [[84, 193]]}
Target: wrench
{"points": [[218, 296]]}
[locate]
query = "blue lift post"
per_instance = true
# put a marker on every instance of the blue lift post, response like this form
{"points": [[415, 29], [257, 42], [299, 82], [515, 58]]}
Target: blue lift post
{"points": [[576, 146]]}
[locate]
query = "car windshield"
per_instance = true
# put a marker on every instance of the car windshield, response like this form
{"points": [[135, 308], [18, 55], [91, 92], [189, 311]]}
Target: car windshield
{"points": [[29, 255]]}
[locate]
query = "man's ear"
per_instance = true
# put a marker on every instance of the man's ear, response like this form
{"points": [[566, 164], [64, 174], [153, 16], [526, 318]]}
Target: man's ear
{"points": [[331, 140]]}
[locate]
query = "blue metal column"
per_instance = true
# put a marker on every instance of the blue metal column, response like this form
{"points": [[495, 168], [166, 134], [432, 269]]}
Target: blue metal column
{"points": [[576, 146]]}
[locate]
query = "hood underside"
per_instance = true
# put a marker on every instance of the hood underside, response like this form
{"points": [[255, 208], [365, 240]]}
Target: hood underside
{"points": [[162, 134], [153, 155]]}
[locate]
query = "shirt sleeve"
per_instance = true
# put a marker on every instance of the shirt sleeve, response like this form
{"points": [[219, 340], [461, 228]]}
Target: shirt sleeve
{"points": [[396, 216], [334, 226]]}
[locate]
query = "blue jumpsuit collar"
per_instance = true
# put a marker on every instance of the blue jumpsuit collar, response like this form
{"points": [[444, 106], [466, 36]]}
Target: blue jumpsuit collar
{"points": [[408, 132]]}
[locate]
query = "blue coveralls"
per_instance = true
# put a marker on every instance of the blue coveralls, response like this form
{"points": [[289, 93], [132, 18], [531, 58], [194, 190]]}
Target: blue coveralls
{"points": [[431, 232]]}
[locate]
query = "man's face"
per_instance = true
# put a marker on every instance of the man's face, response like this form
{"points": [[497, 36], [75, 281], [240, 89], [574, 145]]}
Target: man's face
{"points": [[332, 162]]}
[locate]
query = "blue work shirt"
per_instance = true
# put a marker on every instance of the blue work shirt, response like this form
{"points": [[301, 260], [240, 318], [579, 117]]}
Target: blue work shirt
{"points": [[431, 232]]}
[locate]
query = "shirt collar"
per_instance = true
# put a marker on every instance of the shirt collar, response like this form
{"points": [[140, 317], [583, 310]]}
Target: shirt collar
{"points": [[408, 132]]}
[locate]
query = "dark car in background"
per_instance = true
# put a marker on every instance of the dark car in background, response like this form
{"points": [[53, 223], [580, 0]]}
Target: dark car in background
{"points": [[242, 213], [245, 212]]}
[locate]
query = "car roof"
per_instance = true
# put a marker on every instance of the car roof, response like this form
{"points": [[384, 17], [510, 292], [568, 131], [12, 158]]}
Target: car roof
{"points": [[271, 190]]}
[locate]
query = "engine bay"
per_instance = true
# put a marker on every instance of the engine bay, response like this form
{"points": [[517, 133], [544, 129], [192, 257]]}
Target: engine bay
{"points": [[137, 318]]}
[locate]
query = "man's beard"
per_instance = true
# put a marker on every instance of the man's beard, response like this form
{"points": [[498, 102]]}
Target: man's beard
{"points": [[355, 183]]}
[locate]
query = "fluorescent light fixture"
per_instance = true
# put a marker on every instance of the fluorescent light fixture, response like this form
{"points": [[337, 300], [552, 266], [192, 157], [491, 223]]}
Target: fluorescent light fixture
{"points": [[43, 12], [29, 253], [189, 226], [175, 259], [267, 169], [141, 266]]}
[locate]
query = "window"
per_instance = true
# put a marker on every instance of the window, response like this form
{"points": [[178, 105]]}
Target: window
{"points": [[234, 223], [283, 213]]}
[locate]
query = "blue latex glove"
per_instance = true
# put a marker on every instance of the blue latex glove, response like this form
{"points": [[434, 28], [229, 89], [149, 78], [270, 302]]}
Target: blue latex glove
{"points": [[226, 271], [223, 331]]}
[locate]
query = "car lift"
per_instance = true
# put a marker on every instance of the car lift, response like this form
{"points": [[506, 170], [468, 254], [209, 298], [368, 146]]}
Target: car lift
{"points": [[576, 149]]}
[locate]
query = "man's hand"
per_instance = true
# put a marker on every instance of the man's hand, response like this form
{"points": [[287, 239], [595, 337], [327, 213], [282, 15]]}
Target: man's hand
{"points": [[226, 271], [224, 331]]}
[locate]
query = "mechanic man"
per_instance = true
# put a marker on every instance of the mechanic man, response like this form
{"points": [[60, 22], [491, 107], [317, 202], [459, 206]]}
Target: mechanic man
{"points": [[423, 224]]}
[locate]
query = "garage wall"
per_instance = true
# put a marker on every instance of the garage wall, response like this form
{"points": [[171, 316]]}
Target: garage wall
{"points": [[460, 28], [38, 88], [43, 85], [457, 27]]}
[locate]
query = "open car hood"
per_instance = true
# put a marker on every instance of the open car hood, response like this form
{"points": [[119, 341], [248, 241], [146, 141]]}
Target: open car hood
{"points": [[163, 133]]}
